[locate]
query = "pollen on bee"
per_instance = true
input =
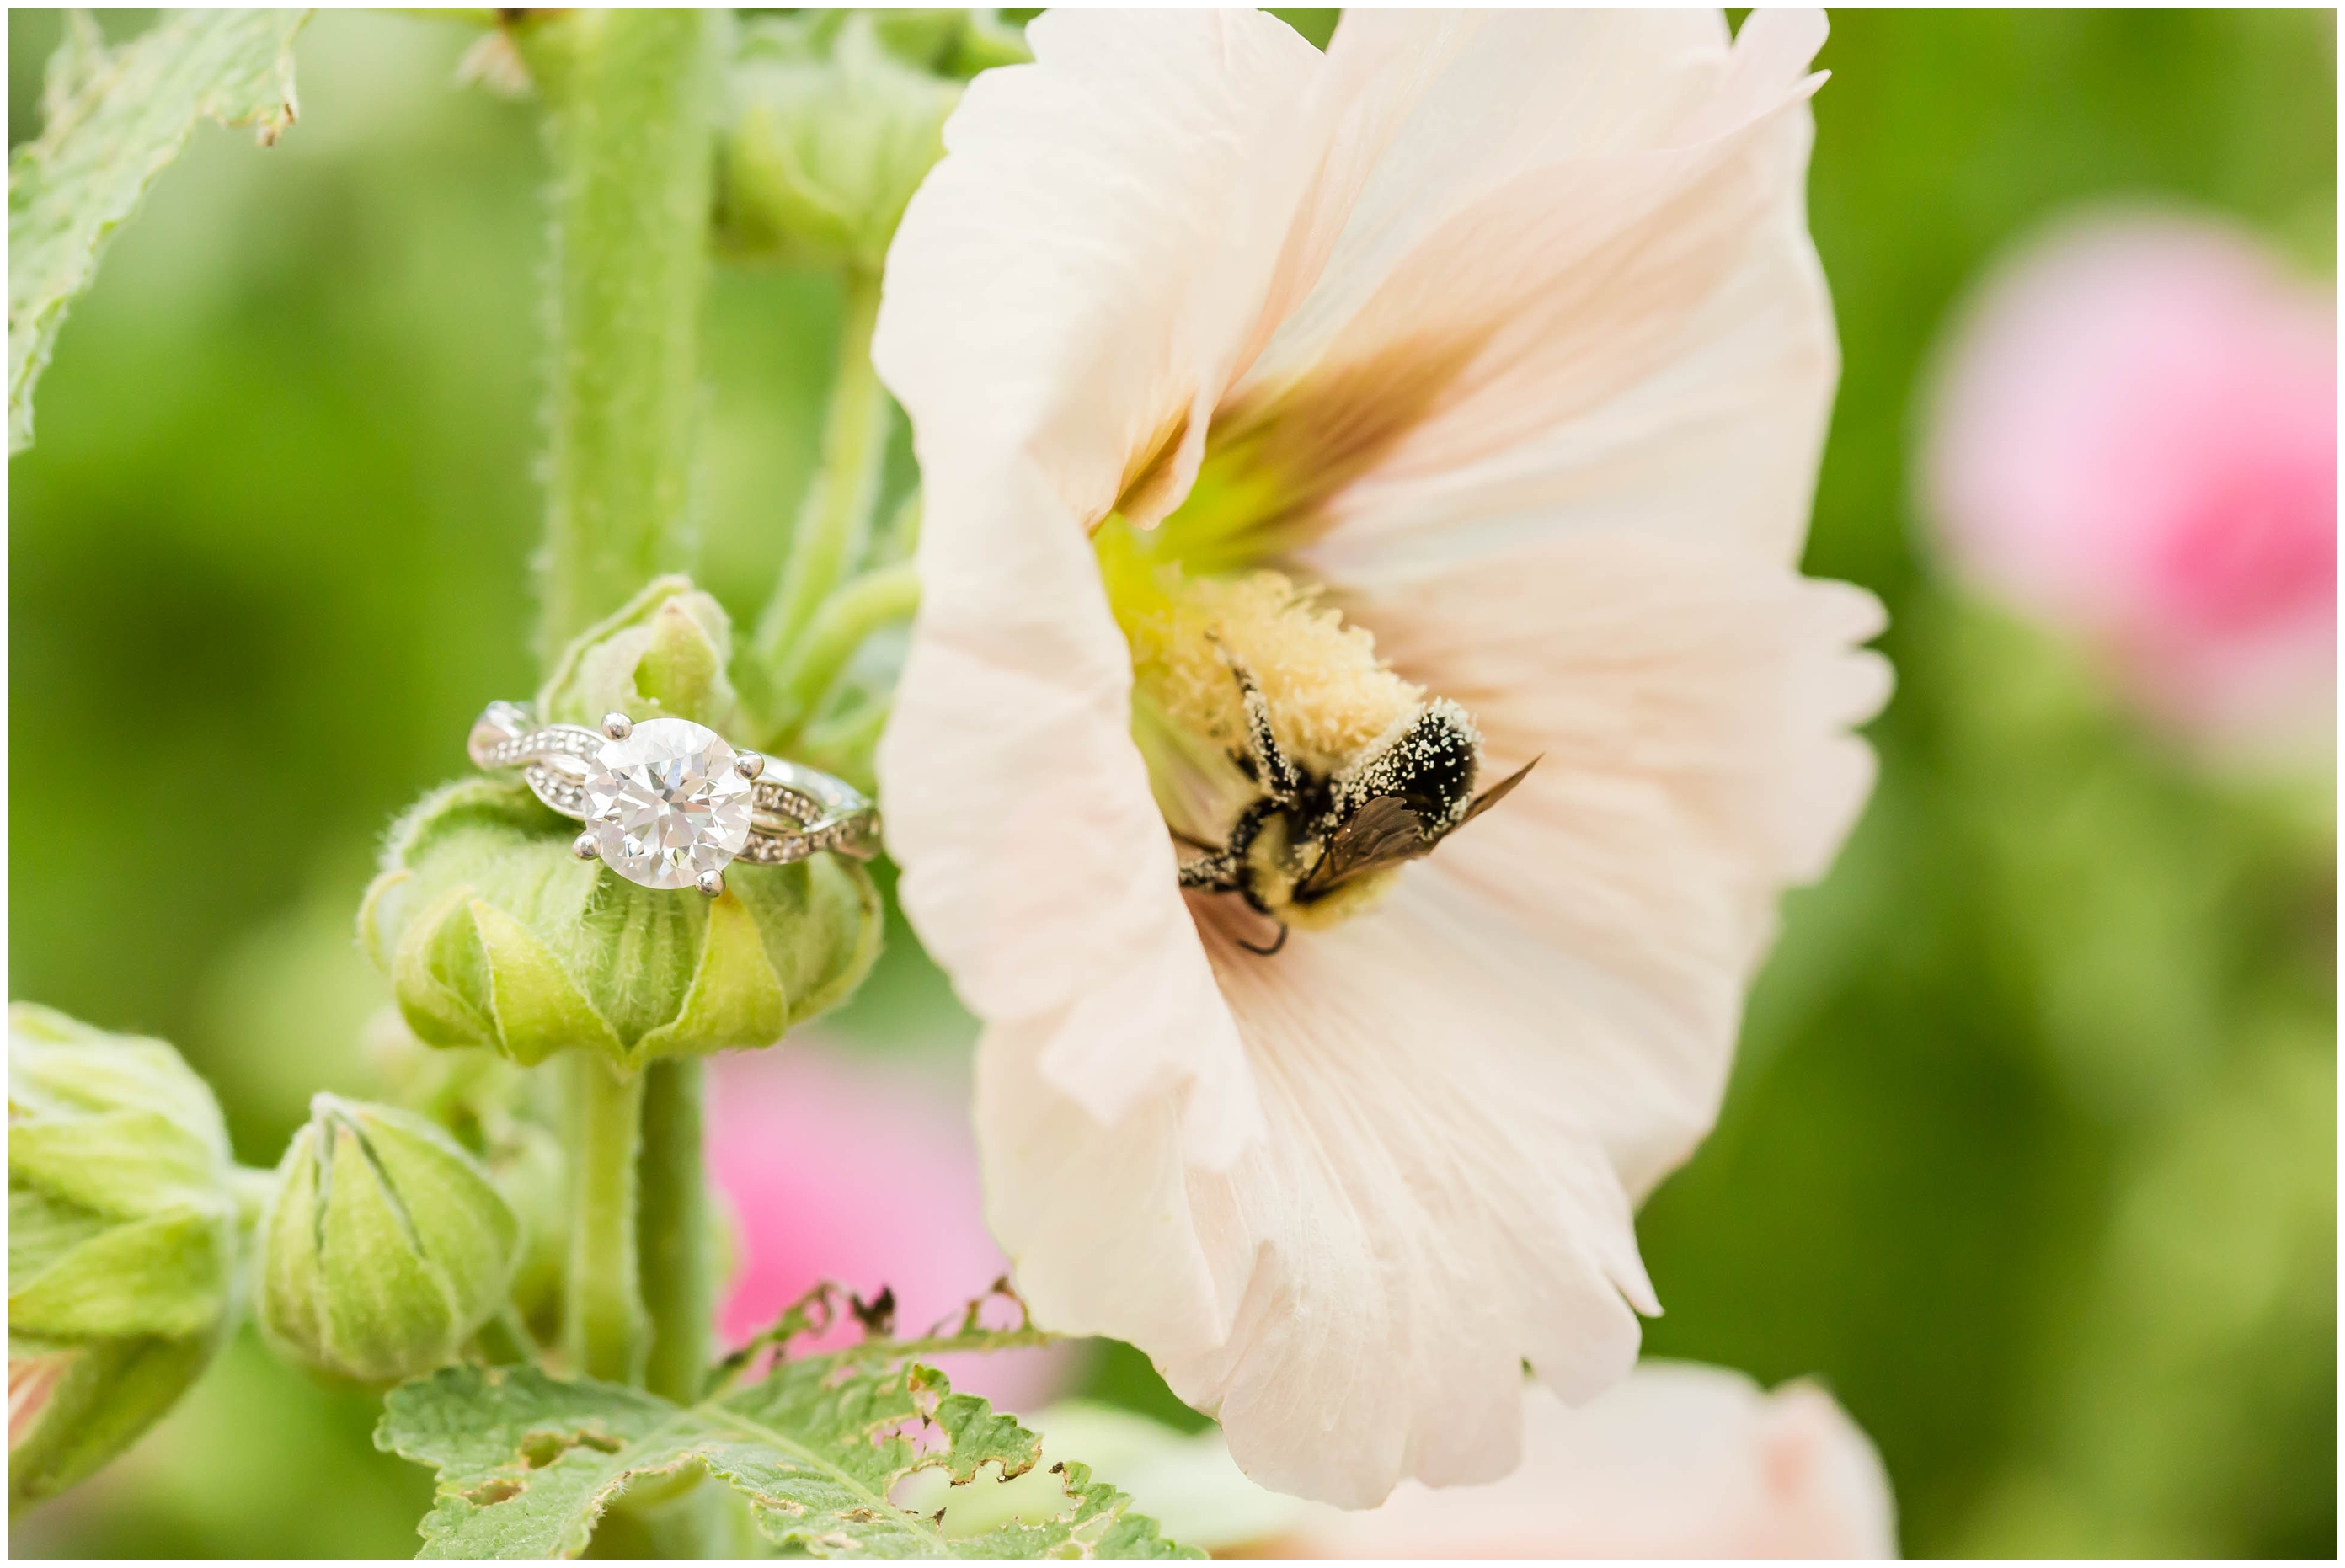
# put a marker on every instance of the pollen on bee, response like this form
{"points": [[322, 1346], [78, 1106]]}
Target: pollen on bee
{"points": [[1329, 693]]}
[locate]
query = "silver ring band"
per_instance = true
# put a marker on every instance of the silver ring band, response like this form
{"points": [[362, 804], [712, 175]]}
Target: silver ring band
{"points": [[668, 803]]}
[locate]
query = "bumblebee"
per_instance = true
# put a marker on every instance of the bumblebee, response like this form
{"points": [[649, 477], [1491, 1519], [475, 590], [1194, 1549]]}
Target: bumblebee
{"points": [[1314, 846]]}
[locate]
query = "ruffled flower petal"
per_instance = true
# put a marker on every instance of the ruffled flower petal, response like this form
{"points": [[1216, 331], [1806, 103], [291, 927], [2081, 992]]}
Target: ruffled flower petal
{"points": [[1035, 862], [1430, 1209], [1635, 328], [1076, 274], [1690, 710]]}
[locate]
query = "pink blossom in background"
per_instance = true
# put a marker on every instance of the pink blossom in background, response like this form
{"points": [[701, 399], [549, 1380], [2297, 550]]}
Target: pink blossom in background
{"points": [[843, 1169], [2133, 439]]}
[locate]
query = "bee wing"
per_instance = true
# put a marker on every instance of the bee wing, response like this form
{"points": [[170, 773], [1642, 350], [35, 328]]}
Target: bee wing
{"points": [[1494, 794], [1384, 831]]}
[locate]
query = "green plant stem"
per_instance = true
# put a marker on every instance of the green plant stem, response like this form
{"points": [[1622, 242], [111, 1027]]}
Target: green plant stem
{"points": [[875, 599], [836, 513], [844, 744], [603, 1320], [504, 1339], [631, 96], [672, 1231]]}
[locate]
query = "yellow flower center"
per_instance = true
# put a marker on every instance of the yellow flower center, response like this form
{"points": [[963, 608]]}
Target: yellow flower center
{"points": [[1347, 738]]}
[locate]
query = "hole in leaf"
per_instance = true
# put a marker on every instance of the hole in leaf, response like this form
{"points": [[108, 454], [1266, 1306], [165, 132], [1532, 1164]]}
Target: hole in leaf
{"points": [[488, 1494], [540, 1448], [923, 1491], [924, 1435], [987, 1502]]}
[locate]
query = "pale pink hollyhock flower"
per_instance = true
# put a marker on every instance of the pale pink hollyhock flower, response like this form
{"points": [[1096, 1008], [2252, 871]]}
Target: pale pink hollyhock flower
{"points": [[864, 1173], [1506, 332], [2134, 438], [1676, 1461]]}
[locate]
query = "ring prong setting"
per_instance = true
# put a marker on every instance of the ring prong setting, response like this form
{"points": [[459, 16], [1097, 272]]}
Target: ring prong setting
{"points": [[749, 765], [617, 725], [712, 882], [585, 847]]}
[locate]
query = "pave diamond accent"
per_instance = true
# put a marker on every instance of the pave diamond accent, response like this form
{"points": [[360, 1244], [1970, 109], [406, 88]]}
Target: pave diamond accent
{"points": [[667, 804]]}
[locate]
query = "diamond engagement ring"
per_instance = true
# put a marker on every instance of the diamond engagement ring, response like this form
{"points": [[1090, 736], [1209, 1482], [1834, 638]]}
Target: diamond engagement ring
{"points": [[668, 803]]}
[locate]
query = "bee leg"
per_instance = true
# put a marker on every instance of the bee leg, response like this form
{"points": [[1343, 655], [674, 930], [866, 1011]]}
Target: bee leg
{"points": [[1213, 873], [1223, 871], [1277, 943], [1273, 770]]}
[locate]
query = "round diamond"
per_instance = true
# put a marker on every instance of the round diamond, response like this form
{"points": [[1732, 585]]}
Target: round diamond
{"points": [[667, 803]]}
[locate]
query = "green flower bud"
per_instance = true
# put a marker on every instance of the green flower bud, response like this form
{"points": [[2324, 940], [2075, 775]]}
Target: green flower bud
{"points": [[661, 654], [494, 934], [831, 132], [387, 1247], [122, 1242]]}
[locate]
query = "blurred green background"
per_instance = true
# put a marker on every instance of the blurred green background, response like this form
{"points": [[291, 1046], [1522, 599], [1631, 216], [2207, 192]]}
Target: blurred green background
{"points": [[2030, 1153]]}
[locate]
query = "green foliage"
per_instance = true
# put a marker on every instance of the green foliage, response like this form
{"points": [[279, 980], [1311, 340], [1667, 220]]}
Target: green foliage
{"points": [[115, 118], [825, 1450], [122, 1242], [387, 1246], [2050, 942], [957, 44]]}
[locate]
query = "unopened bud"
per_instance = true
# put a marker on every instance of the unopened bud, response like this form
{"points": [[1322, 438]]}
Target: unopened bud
{"points": [[661, 654], [387, 1247], [122, 1246], [831, 132], [495, 934]]}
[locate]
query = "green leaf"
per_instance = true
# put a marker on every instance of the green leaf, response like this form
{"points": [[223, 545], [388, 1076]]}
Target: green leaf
{"points": [[828, 1451], [115, 118]]}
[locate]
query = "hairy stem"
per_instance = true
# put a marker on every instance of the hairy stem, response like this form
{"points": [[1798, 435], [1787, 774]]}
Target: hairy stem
{"points": [[630, 96], [602, 1318], [672, 1231], [875, 599], [630, 99], [836, 512]]}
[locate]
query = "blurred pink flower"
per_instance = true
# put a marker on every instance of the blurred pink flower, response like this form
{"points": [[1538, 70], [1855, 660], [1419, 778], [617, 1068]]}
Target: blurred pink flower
{"points": [[2134, 438], [865, 1173]]}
